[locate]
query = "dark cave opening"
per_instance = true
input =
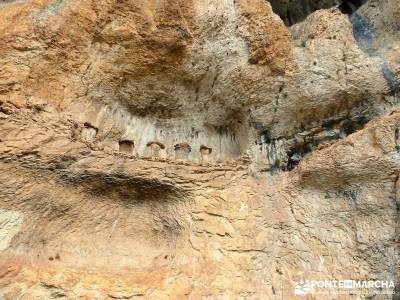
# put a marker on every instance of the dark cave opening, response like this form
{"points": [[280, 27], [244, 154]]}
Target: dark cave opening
{"points": [[351, 6], [295, 11]]}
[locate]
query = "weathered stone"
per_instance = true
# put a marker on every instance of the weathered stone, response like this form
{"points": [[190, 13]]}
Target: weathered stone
{"points": [[10, 224], [197, 149]]}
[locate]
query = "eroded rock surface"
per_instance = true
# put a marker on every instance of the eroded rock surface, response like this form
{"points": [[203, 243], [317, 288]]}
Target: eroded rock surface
{"points": [[197, 149]]}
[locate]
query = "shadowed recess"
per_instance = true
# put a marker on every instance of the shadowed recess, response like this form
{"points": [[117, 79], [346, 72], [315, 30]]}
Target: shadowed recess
{"points": [[127, 189], [295, 11]]}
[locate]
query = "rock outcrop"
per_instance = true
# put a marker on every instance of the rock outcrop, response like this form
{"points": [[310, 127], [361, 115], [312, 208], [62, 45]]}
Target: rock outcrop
{"points": [[198, 149]]}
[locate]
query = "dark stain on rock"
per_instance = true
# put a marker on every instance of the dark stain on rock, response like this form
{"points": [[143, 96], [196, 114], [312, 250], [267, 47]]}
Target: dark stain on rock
{"points": [[364, 33]]}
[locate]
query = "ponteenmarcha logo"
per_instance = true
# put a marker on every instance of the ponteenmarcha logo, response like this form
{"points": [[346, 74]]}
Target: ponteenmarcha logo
{"points": [[302, 288], [306, 287]]}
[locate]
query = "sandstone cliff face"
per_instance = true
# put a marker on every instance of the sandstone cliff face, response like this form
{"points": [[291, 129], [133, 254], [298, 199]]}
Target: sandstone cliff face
{"points": [[197, 149]]}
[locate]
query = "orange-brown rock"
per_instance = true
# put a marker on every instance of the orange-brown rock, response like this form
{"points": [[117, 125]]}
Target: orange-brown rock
{"points": [[198, 149]]}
